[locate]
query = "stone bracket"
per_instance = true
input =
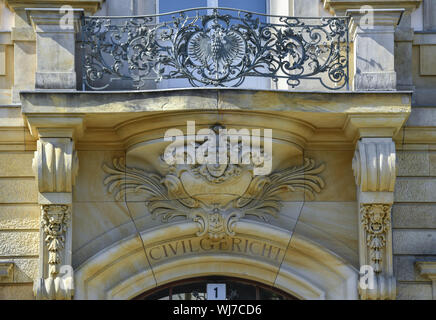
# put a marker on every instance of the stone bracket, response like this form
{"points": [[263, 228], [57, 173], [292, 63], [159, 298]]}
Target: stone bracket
{"points": [[375, 173], [56, 165]]}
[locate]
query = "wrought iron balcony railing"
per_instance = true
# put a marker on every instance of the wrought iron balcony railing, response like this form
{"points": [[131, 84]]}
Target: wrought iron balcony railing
{"points": [[214, 47]]}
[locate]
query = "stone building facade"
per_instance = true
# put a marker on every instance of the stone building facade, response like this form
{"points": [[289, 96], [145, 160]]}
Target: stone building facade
{"points": [[90, 210]]}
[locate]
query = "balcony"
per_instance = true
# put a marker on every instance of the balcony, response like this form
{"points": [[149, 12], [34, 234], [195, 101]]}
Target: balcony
{"points": [[214, 47], [102, 78]]}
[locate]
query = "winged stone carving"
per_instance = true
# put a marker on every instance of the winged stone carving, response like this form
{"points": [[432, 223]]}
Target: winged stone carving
{"points": [[216, 50], [173, 195]]}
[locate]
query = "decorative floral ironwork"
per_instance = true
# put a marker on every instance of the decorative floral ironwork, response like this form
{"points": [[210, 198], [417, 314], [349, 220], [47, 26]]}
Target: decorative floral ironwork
{"points": [[214, 47]]}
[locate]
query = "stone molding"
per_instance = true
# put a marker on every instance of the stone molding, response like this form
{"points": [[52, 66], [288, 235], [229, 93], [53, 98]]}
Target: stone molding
{"points": [[428, 270], [339, 7], [89, 6], [375, 172], [48, 19], [387, 18]]}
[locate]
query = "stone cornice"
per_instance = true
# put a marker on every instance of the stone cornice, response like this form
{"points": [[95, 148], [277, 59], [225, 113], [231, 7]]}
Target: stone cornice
{"points": [[90, 6], [427, 269], [48, 18], [298, 117], [339, 7]]}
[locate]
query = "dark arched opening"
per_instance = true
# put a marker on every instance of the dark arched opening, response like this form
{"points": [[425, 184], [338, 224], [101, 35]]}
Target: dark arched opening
{"points": [[195, 289]]}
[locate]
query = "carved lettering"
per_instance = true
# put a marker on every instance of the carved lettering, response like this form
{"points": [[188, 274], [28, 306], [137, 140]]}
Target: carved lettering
{"points": [[236, 245]]}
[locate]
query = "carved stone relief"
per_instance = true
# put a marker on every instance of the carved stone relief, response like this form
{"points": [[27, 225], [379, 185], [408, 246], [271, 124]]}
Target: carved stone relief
{"points": [[55, 165], [375, 173], [376, 221], [216, 197], [54, 224], [59, 284]]}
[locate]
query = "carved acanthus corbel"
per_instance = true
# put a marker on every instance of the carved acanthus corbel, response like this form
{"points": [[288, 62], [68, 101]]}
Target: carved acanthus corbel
{"points": [[374, 170], [55, 165]]}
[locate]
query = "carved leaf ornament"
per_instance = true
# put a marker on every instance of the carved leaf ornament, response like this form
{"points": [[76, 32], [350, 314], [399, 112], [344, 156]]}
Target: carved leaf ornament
{"points": [[167, 196]]}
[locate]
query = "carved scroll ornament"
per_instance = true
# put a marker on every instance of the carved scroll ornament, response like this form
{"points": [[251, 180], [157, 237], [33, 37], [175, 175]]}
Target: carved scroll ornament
{"points": [[167, 196]]}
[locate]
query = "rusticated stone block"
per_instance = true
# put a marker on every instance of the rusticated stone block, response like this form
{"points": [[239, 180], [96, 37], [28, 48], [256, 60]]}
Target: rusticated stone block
{"points": [[414, 242], [413, 163], [414, 216]]}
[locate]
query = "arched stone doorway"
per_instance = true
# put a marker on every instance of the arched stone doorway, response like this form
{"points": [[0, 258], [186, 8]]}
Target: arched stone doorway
{"points": [[216, 222], [303, 269]]}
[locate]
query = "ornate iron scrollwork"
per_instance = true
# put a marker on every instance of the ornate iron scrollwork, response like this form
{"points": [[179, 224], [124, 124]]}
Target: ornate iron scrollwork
{"points": [[214, 47]]}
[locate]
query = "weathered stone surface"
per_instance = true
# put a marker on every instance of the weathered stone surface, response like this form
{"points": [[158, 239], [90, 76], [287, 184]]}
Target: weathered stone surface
{"points": [[429, 13], [414, 242], [338, 175], [14, 292], [415, 190], [10, 116], [25, 269], [207, 99], [16, 164], [405, 268], [432, 160], [412, 291], [428, 67], [91, 163], [422, 117], [412, 163], [24, 216], [97, 241], [19, 243], [332, 224], [414, 216], [18, 190]]}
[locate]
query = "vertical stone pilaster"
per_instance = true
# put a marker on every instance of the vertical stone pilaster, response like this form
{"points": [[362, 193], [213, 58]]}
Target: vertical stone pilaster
{"points": [[374, 170], [55, 164]]}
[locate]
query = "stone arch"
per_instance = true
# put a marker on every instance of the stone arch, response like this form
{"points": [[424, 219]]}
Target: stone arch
{"points": [[304, 269]]}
